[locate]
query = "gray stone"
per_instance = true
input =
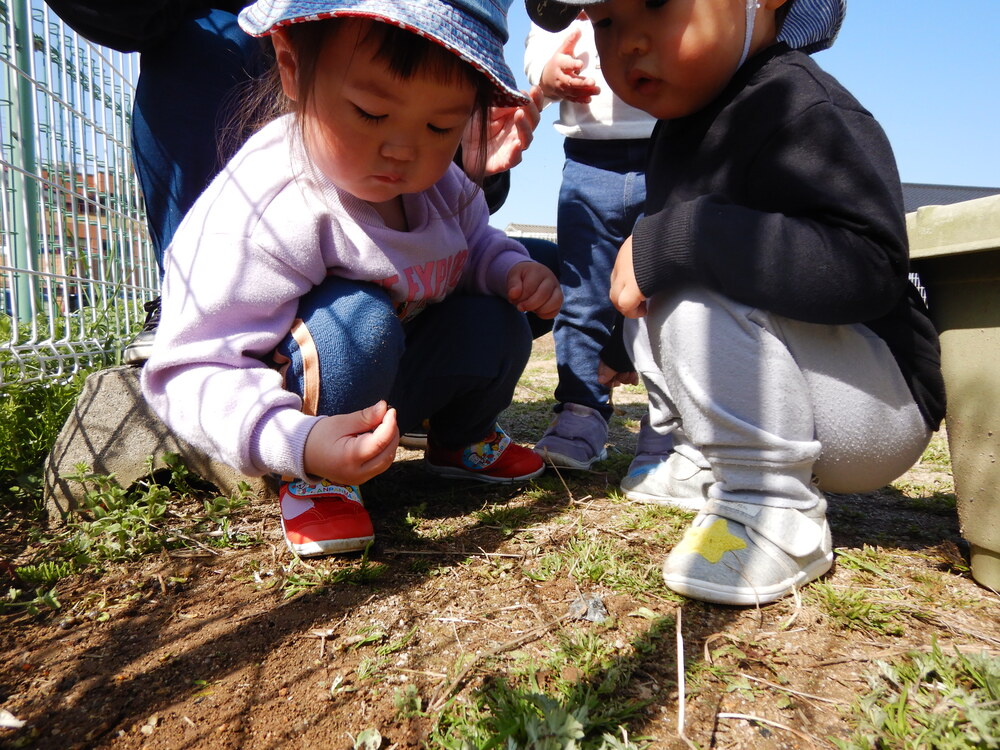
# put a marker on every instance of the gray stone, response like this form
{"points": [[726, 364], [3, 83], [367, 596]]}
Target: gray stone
{"points": [[114, 432]]}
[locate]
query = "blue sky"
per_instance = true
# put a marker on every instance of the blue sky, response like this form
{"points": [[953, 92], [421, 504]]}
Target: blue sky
{"points": [[928, 71]]}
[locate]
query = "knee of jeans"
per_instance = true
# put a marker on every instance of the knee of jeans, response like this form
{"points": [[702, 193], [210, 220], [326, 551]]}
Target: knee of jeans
{"points": [[481, 324], [353, 320]]}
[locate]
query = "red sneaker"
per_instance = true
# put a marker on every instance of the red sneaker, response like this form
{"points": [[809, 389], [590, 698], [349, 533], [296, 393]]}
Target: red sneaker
{"points": [[497, 459], [324, 519]]}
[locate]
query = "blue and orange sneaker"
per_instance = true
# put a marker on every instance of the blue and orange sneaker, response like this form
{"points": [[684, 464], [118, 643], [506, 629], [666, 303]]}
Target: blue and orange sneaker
{"points": [[497, 459], [324, 519]]}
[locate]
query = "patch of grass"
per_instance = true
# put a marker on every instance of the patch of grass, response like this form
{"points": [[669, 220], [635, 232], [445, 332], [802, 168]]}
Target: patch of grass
{"points": [[868, 560], [31, 416], [729, 661], [299, 576], [525, 720], [940, 503], [856, 609], [603, 560], [408, 703], [374, 667], [546, 567], [666, 522], [587, 702], [936, 454], [507, 519], [616, 465], [929, 700], [113, 525]]}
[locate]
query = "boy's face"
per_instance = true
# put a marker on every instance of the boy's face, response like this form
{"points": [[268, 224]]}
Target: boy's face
{"points": [[672, 57]]}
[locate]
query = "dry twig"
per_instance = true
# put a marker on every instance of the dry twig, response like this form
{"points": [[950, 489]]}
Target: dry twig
{"points": [[757, 719], [681, 689]]}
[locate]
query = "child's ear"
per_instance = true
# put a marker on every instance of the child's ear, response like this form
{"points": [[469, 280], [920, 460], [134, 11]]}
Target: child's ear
{"points": [[284, 54]]}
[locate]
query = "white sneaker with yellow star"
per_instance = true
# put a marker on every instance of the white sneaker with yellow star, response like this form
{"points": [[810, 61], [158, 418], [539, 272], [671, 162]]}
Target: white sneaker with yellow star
{"points": [[748, 554]]}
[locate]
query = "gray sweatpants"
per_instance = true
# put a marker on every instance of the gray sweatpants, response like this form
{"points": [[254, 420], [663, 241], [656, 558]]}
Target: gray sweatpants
{"points": [[771, 403]]}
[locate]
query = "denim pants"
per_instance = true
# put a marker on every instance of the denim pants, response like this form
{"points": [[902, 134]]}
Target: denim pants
{"points": [[601, 197], [456, 363], [188, 89]]}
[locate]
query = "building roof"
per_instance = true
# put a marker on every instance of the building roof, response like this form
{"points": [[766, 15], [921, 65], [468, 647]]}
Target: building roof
{"points": [[916, 195], [540, 231]]}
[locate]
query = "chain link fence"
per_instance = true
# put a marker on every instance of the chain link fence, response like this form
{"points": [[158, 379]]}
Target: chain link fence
{"points": [[76, 263]]}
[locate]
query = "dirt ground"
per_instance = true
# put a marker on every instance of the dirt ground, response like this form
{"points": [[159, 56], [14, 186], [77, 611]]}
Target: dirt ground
{"points": [[202, 648]]}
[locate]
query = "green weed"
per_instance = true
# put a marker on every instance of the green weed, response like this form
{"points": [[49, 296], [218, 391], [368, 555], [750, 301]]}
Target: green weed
{"points": [[929, 700], [112, 524], [587, 707], [506, 518], [31, 416], [854, 609], [299, 576], [601, 560], [408, 703]]}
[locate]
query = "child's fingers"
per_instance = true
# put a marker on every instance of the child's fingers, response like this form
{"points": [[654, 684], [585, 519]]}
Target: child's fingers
{"points": [[544, 301], [375, 455], [368, 454], [569, 42], [515, 290]]}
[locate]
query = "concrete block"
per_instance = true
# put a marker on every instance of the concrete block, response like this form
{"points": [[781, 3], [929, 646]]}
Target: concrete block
{"points": [[113, 431], [956, 251]]}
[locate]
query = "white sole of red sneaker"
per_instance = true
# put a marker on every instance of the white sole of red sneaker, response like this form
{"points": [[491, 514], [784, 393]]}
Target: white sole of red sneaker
{"points": [[413, 440], [453, 472], [327, 547]]}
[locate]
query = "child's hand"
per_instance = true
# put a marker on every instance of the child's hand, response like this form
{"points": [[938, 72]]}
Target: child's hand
{"points": [[534, 288], [625, 294], [609, 377], [352, 448], [560, 79]]}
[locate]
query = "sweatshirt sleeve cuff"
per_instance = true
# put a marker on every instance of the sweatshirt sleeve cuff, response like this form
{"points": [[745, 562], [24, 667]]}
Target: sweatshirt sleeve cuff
{"points": [[661, 249], [278, 443], [500, 268]]}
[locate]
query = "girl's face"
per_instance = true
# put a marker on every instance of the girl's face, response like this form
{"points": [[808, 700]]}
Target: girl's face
{"points": [[372, 134], [672, 57]]}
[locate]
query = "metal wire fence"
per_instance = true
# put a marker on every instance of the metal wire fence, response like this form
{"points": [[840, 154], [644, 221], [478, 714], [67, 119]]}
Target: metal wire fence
{"points": [[76, 263]]}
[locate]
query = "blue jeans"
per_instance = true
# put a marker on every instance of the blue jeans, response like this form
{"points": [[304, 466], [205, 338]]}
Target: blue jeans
{"points": [[188, 88], [602, 195], [457, 363]]}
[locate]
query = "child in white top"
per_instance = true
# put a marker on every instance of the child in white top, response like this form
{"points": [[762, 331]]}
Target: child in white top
{"points": [[341, 263], [601, 196]]}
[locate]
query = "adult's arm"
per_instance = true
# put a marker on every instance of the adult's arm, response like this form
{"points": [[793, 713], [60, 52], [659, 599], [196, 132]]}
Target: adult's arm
{"points": [[131, 25]]}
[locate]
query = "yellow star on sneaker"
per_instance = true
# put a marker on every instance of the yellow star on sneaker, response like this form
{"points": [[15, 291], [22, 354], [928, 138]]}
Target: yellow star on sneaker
{"points": [[711, 542]]}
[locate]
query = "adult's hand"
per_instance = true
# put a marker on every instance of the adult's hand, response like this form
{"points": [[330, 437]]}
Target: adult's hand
{"points": [[508, 135]]}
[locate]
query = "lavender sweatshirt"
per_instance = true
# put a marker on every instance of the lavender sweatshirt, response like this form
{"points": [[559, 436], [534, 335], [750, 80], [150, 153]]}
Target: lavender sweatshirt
{"points": [[267, 230]]}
